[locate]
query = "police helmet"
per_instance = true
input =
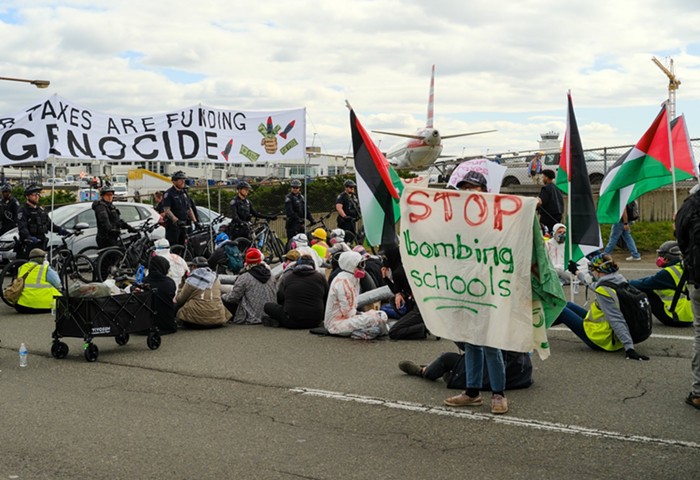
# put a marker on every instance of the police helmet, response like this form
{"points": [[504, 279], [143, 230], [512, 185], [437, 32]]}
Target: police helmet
{"points": [[32, 189], [349, 183], [669, 250], [179, 175], [473, 178], [295, 184], [243, 184], [106, 189], [5, 188]]}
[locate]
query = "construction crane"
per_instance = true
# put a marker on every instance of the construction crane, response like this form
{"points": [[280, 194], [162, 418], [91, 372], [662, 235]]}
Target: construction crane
{"points": [[673, 84]]}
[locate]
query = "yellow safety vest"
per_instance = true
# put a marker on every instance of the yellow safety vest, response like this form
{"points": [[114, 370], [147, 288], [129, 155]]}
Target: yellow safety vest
{"points": [[321, 248], [684, 310], [597, 328], [37, 292]]}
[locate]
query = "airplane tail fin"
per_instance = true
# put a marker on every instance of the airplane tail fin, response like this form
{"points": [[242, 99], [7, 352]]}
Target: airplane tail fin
{"points": [[431, 98]]}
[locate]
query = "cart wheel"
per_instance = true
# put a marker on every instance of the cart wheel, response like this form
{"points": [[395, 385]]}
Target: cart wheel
{"points": [[91, 352], [153, 341], [59, 350], [122, 339]]}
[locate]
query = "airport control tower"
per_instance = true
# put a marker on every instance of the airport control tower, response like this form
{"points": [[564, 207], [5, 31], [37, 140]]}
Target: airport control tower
{"points": [[549, 141]]}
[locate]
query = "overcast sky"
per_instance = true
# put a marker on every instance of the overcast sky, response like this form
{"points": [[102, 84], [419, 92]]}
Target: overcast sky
{"points": [[499, 65]]}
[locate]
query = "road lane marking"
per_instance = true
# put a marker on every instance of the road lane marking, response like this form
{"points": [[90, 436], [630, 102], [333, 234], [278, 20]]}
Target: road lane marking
{"points": [[653, 335], [506, 420]]}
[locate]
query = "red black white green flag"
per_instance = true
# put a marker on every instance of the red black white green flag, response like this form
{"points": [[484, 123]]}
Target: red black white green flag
{"points": [[375, 189]]}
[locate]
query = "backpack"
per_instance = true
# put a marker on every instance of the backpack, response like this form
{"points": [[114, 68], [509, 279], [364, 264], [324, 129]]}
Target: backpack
{"points": [[518, 372], [635, 307], [234, 257], [632, 209], [12, 293]]}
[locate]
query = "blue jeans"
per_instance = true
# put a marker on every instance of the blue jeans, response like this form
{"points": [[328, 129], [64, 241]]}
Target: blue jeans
{"points": [[617, 231], [475, 355], [572, 316]]}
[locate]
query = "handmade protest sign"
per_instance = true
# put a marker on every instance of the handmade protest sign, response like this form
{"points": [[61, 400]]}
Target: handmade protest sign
{"points": [[468, 257]]}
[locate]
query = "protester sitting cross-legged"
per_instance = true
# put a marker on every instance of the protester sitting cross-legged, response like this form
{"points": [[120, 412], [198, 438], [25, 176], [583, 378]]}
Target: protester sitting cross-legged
{"points": [[164, 296], [341, 316], [301, 297], [300, 243], [199, 300], [603, 327], [178, 265], [663, 286], [41, 284], [253, 288]]}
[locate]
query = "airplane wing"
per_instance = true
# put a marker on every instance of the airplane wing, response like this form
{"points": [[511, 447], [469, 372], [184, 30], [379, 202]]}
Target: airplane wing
{"points": [[404, 135], [465, 134]]}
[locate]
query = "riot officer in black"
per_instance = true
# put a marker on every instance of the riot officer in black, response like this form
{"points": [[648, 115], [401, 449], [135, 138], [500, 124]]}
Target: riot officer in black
{"points": [[9, 206], [34, 223], [348, 208], [177, 207], [241, 213], [296, 211], [109, 223]]}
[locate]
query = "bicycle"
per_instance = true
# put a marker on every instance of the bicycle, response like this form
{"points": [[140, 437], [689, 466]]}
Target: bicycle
{"points": [[68, 265], [264, 238], [198, 242], [125, 259], [320, 223]]}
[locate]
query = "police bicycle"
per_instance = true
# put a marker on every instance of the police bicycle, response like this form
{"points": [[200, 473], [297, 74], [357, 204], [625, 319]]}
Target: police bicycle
{"points": [[126, 259], [199, 240], [264, 238], [69, 266]]}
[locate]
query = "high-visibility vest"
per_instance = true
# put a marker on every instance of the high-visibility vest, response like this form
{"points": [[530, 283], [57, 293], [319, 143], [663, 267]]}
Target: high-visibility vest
{"points": [[597, 328], [37, 292], [683, 309]]}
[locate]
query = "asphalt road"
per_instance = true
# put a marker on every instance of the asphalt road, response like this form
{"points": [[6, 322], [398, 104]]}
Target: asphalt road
{"points": [[260, 403]]}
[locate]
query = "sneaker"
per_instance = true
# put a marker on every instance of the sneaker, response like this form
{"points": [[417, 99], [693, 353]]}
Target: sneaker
{"points": [[409, 368], [463, 400], [693, 400], [633, 259], [499, 404]]}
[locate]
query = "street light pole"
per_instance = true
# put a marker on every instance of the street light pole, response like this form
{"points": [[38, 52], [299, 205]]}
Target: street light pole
{"points": [[36, 83]]}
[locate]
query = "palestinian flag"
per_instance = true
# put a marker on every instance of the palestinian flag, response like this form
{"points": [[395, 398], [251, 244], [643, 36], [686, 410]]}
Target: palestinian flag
{"points": [[572, 179], [646, 167], [375, 188]]}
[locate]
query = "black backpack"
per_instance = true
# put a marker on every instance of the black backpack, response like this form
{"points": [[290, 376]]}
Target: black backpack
{"points": [[518, 372], [632, 209], [635, 307]]}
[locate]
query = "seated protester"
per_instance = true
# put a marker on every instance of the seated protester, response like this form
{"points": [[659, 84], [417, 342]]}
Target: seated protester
{"points": [[289, 260], [164, 296], [366, 283], [199, 300], [661, 288], [318, 243], [178, 265], [300, 242], [451, 367], [301, 297], [252, 289], [341, 316], [40, 286], [603, 327], [338, 242], [556, 251], [219, 260]]}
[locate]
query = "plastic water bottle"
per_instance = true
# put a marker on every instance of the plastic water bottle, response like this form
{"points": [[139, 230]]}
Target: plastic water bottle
{"points": [[140, 273], [23, 354], [575, 283]]}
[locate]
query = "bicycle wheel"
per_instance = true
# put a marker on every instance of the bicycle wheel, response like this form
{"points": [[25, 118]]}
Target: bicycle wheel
{"points": [[182, 251], [9, 274], [84, 268], [110, 264]]}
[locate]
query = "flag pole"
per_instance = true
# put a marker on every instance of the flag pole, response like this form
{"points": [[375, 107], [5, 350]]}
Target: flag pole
{"points": [[671, 156], [567, 162]]}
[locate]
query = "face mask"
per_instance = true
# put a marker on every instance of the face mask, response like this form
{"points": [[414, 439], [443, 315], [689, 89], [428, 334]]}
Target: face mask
{"points": [[359, 273], [560, 237], [661, 262]]}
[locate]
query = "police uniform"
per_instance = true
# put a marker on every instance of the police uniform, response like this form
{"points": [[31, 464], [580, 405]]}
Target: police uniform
{"points": [[8, 214], [179, 203], [33, 224], [349, 203], [241, 212], [109, 224], [294, 209]]}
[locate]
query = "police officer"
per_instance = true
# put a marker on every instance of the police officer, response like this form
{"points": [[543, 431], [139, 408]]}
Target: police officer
{"points": [[295, 210], [109, 223], [9, 206], [177, 208], [348, 208], [241, 212], [34, 223]]}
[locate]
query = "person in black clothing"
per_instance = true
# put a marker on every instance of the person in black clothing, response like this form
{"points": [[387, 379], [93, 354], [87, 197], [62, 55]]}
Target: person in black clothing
{"points": [[164, 296], [177, 207], [301, 297], [9, 206], [348, 209], [296, 210], [550, 203], [109, 223], [34, 223], [242, 212]]}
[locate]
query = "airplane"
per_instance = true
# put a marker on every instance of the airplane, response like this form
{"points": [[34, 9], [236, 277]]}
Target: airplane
{"points": [[423, 147]]}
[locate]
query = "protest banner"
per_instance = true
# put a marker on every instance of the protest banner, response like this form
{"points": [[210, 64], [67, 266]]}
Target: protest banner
{"points": [[468, 257]]}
